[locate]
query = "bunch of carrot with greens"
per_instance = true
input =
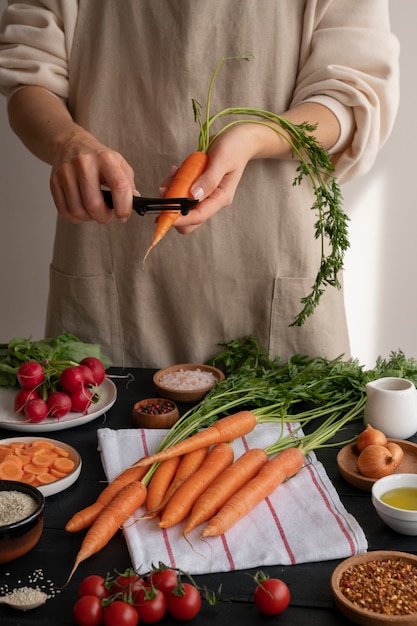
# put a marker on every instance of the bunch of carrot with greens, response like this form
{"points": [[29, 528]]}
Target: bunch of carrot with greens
{"points": [[314, 164], [311, 394]]}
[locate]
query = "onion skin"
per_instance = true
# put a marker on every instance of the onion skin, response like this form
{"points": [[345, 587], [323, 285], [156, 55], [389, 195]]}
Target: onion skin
{"points": [[370, 436], [397, 453], [375, 461]]}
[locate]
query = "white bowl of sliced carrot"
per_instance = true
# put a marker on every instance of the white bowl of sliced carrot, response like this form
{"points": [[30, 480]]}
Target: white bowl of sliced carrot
{"points": [[47, 464]]}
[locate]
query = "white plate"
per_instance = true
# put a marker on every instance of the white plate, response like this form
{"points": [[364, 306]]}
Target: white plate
{"points": [[12, 421], [60, 483]]}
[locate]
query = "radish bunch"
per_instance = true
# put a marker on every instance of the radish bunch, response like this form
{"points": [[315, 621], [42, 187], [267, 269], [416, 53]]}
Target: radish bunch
{"points": [[54, 388]]}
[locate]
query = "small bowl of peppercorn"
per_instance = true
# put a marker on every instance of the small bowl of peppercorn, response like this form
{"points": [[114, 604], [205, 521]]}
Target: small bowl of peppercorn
{"points": [[22, 509], [155, 413], [377, 588]]}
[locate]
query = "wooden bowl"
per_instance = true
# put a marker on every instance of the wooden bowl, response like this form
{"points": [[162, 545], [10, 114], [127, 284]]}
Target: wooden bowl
{"points": [[190, 390], [143, 418], [347, 459], [367, 617]]}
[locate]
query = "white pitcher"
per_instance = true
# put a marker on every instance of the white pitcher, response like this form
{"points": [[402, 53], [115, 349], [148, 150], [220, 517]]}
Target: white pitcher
{"points": [[391, 406]]}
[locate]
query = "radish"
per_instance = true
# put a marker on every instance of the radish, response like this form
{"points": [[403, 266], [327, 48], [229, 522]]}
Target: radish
{"points": [[59, 404], [30, 375], [97, 367], [36, 410], [72, 378], [23, 397], [81, 399], [88, 375]]}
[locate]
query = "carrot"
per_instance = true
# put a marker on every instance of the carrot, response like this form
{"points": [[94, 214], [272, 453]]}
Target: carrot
{"points": [[160, 482], [85, 517], [181, 503], [10, 470], [188, 465], [229, 481], [284, 465], [180, 187], [113, 516], [224, 430]]}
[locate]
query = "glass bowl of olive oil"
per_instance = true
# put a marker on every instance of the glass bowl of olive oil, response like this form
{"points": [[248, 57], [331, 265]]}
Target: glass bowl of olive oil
{"points": [[395, 500]]}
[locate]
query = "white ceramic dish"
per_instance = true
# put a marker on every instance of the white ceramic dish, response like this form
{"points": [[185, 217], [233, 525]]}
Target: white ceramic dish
{"points": [[12, 421], [61, 483], [403, 521]]}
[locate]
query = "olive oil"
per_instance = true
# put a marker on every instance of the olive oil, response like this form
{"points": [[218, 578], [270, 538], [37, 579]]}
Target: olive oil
{"points": [[401, 498]]}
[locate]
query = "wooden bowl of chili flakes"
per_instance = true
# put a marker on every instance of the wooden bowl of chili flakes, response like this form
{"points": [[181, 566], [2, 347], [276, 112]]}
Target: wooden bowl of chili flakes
{"points": [[377, 588]]}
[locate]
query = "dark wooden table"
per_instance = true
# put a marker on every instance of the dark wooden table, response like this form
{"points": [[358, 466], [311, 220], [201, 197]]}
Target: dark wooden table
{"points": [[311, 598]]}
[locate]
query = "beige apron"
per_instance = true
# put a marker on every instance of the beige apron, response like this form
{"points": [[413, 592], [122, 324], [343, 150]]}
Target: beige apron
{"points": [[135, 67]]}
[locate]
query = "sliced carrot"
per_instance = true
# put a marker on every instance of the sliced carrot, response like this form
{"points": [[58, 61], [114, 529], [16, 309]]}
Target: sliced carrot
{"points": [[9, 470], [33, 469], [44, 460], [42, 443], [60, 451], [45, 478], [57, 474], [64, 465]]}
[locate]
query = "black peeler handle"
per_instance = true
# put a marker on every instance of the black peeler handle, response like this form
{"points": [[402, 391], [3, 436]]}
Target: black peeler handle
{"points": [[143, 205]]}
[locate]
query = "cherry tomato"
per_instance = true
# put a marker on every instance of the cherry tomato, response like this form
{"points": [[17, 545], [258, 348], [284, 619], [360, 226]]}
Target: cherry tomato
{"points": [[88, 611], [93, 585], [184, 602], [128, 581], [120, 613], [151, 604], [165, 579], [272, 596]]}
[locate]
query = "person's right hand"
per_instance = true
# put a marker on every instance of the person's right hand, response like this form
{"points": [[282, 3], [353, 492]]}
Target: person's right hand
{"points": [[80, 166]]}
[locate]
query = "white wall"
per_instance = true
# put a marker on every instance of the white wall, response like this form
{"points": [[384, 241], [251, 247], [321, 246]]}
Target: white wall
{"points": [[381, 296]]}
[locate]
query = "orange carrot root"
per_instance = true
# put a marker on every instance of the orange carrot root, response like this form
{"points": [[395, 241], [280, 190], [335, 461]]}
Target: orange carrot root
{"points": [[223, 431], [286, 464], [112, 517], [181, 503], [160, 482], [228, 483], [180, 187]]}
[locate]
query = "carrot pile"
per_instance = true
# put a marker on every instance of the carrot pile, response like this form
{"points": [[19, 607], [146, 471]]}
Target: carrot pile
{"points": [[196, 479], [36, 463]]}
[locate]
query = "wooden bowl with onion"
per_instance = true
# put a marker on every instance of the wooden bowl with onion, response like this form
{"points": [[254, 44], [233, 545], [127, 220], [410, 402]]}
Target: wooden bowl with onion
{"points": [[186, 382]]}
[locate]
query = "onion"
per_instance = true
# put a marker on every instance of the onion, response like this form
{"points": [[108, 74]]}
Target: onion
{"points": [[375, 461], [397, 453], [370, 436]]}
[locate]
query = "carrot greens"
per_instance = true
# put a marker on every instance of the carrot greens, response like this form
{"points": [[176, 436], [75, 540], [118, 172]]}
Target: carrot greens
{"points": [[315, 165]]}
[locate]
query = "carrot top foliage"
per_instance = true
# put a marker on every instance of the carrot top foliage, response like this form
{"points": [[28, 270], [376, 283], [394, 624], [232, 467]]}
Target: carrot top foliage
{"points": [[315, 165]]}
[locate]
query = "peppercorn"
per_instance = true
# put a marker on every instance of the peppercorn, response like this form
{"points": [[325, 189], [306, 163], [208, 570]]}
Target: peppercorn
{"points": [[157, 408]]}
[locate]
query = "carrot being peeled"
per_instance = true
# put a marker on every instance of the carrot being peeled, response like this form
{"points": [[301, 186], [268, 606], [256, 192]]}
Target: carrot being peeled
{"points": [[180, 504], [180, 187], [224, 430], [110, 520], [231, 480], [281, 467]]}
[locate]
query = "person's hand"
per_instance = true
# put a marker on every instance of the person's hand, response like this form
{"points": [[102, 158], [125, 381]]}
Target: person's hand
{"points": [[80, 166]]}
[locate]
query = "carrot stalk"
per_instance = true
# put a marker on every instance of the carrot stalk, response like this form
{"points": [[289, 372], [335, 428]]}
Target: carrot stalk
{"points": [[160, 482], [223, 431], [220, 490], [189, 464], [180, 504], [180, 187], [113, 516], [84, 518], [281, 467]]}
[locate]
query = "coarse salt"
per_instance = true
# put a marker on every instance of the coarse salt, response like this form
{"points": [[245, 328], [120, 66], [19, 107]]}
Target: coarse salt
{"points": [[15, 506], [188, 380]]}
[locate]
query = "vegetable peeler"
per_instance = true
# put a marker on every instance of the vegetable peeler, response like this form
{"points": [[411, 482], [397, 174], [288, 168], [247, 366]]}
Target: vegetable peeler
{"points": [[144, 205]]}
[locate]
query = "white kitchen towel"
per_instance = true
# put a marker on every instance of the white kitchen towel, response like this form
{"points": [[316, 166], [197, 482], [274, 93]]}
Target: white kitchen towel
{"points": [[302, 521]]}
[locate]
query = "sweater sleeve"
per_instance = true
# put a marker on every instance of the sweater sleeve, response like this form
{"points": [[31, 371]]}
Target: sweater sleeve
{"points": [[349, 54], [35, 44]]}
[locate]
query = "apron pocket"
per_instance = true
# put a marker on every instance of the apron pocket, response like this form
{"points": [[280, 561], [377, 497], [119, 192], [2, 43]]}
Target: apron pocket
{"points": [[87, 307]]}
